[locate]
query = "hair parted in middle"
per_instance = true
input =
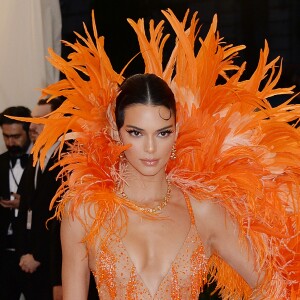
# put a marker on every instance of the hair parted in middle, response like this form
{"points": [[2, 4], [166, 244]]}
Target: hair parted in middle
{"points": [[148, 89]]}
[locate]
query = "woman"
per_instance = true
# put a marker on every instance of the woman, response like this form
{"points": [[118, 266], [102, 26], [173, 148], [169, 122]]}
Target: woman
{"points": [[152, 251], [159, 192]]}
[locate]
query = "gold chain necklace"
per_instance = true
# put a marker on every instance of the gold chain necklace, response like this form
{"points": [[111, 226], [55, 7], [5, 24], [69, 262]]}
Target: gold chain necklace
{"points": [[152, 210]]}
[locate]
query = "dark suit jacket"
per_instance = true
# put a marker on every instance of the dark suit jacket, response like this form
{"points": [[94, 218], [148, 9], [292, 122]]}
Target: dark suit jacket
{"points": [[42, 241], [6, 214]]}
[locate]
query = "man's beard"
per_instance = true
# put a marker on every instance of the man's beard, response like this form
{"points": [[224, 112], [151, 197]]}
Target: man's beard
{"points": [[16, 151]]}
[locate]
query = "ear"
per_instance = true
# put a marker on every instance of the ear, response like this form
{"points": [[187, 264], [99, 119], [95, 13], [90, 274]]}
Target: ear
{"points": [[116, 136], [176, 131], [114, 133]]}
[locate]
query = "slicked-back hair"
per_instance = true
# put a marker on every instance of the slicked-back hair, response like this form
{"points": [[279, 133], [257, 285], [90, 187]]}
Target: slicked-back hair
{"points": [[147, 89], [54, 103]]}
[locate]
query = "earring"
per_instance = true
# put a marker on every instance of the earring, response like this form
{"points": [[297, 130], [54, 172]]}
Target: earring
{"points": [[173, 153], [121, 155]]}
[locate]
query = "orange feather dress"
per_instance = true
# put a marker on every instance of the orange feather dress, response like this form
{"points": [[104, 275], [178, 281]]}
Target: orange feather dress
{"points": [[232, 144]]}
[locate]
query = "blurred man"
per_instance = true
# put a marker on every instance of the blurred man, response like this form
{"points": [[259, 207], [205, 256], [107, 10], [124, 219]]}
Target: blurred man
{"points": [[39, 246], [12, 164]]}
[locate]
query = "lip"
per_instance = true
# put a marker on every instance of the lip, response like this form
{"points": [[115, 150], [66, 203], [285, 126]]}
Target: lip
{"points": [[150, 162]]}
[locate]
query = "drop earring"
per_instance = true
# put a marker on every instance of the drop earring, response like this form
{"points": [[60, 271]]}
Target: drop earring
{"points": [[173, 153], [122, 154]]}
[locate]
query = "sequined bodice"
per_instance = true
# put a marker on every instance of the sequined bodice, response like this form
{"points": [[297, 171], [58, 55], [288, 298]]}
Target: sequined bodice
{"points": [[117, 277]]}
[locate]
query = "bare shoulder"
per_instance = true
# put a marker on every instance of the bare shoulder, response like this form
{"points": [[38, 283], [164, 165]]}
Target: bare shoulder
{"points": [[85, 213], [76, 222], [207, 210]]}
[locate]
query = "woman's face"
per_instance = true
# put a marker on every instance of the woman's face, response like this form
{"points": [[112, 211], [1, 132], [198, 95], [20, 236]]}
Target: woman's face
{"points": [[151, 130]]}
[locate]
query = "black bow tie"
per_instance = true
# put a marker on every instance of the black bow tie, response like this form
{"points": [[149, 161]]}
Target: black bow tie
{"points": [[23, 160]]}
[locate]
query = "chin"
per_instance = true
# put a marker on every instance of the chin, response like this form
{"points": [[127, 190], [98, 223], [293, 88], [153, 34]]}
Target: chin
{"points": [[149, 171], [143, 170]]}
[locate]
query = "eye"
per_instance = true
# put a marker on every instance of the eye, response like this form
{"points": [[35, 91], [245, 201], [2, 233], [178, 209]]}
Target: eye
{"points": [[165, 133], [134, 133]]}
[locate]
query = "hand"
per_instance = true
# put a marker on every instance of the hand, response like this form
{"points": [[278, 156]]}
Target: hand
{"points": [[11, 203], [57, 292], [28, 264]]}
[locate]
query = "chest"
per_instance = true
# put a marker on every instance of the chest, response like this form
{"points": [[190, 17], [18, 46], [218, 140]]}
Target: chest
{"points": [[155, 258], [155, 272]]}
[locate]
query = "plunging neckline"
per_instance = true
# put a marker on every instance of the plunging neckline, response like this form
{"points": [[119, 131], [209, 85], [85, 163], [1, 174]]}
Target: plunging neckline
{"points": [[117, 275], [146, 287]]}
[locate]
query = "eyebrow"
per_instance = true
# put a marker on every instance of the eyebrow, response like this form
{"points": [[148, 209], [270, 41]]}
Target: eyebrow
{"points": [[12, 135], [140, 129]]}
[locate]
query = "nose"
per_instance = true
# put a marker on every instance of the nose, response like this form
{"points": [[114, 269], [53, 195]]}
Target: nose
{"points": [[150, 145]]}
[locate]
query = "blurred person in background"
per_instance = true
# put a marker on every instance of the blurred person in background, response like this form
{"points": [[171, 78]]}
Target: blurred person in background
{"points": [[12, 164], [38, 248]]}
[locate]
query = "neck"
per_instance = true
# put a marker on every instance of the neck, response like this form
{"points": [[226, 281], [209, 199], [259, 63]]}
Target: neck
{"points": [[146, 189]]}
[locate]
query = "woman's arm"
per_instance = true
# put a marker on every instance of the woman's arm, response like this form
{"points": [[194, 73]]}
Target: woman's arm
{"points": [[223, 238], [75, 268], [237, 252]]}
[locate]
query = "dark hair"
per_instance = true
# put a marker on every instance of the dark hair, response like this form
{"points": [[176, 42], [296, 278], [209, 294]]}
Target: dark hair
{"points": [[147, 89], [15, 111], [54, 103]]}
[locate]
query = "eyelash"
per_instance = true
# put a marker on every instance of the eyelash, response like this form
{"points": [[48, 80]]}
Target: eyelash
{"points": [[136, 133], [133, 132], [166, 132]]}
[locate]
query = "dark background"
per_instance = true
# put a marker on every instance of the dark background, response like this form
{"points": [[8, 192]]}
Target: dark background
{"points": [[247, 22]]}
